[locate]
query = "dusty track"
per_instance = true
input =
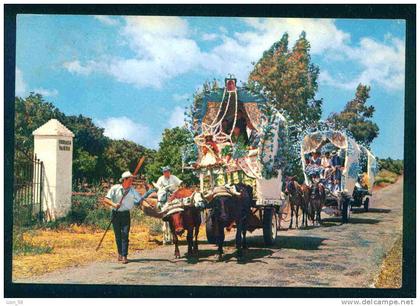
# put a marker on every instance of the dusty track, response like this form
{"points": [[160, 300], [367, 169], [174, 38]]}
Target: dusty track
{"points": [[333, 255]]}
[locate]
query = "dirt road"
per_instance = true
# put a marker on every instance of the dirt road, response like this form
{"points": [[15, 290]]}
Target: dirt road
{"points": [[333, 255]]}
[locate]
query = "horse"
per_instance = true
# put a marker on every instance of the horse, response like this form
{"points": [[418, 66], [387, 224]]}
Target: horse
{"points": [[186, 219], [229, 209], [297, 199], [317, 198]]}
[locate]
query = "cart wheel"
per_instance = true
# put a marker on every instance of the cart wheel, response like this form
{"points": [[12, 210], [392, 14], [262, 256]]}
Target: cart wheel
{"points": [[269, 226], [366, 204], [210, 231], [346, 210]]}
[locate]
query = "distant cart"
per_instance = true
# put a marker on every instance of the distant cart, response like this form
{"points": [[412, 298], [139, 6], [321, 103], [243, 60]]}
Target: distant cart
{"points": [[358, 168], [258, 166]]}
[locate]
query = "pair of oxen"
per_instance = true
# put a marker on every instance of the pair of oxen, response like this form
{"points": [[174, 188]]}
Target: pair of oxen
{"points": [[226, 205]]}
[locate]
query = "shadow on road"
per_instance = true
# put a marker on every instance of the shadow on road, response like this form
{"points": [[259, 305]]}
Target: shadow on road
{"points": [[371, 210], [328, 222], [288, 242], [152, 260], [255, 253]]}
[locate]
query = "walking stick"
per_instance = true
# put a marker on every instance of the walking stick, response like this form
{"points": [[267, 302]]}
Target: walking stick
{"points": [[113, 216]]}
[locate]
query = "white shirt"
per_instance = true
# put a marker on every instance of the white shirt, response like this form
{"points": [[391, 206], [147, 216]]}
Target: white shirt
{"points": [[132, 198], [164, 182]]}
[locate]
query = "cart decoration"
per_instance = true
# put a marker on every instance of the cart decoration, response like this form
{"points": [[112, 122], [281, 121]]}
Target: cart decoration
{"points": [[218, 160]]}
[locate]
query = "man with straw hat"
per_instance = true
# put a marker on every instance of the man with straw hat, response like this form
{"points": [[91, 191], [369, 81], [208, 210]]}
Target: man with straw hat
{"points": [[122, 198]]}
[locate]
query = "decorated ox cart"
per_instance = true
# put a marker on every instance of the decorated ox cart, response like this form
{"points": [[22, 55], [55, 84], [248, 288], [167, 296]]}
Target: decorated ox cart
{"points": [[239, 139], [348, 181]]}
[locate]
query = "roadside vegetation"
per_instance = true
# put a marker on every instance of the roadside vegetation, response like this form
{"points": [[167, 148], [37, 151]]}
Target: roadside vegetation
{"points": [[391, 270], [389, 171]]}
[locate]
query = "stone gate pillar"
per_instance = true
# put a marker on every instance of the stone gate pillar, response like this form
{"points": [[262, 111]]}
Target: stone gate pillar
{"points": [[53, 145]]}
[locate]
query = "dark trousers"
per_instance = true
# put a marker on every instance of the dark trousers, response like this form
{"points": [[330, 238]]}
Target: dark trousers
{"points": [[121, 225]]}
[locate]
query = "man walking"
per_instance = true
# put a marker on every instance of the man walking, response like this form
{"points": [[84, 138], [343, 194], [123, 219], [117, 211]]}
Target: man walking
{"points": [[122, 198]]}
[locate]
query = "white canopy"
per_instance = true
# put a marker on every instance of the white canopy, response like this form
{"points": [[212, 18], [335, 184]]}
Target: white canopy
{"points": [[351, 169]]}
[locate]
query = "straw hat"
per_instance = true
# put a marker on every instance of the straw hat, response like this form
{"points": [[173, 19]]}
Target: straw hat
{"points": [[125, 175]]}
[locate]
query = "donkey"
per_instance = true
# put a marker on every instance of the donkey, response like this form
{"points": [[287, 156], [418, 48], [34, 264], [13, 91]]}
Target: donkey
{"points": [[297, 199], [226, 210], [188, 219]]}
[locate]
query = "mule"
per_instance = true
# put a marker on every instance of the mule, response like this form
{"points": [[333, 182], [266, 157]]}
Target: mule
{"points": [[317, 198], [189, 220], [297, 201], [226, 210]]}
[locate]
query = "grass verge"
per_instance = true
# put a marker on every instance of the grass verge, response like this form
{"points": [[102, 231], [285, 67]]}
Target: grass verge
{"points": [[385, 178], [46, 250], [391, 269]]}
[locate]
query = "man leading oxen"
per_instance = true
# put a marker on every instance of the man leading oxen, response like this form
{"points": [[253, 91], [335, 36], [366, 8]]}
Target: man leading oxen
{"points": [[122, 198]]}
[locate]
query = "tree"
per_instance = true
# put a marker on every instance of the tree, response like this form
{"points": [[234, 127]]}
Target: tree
{"points": [[355, 118], [30, 114], [123, 155], [393, 165], [169, 154], [84, 165], [288, 79]]}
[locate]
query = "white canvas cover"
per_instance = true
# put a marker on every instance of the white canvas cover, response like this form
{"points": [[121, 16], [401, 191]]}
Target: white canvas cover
{"points": [[269, 189], [372, 166], [316, 140], [351, 167]]}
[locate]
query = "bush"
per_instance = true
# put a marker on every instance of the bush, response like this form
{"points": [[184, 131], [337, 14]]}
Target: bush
{"points": [[81, 207], [99, 217], [88, 210], [393, 165], [386, 177], [155, 227]]}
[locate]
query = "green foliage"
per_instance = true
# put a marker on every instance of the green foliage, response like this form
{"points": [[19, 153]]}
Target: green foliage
{"points": [[84, 164], [30, 114], [170, 154], [154, 225], [356, 117], [289, 80], [386, 177], [123, 155], [88, 210], [393, 165]]}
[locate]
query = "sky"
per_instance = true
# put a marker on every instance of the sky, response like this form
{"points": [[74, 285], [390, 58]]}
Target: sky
{"points": [[134, 75]]}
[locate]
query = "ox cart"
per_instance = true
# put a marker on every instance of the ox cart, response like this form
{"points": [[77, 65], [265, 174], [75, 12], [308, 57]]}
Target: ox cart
{"points": [[251, 156], [348, 179]]}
